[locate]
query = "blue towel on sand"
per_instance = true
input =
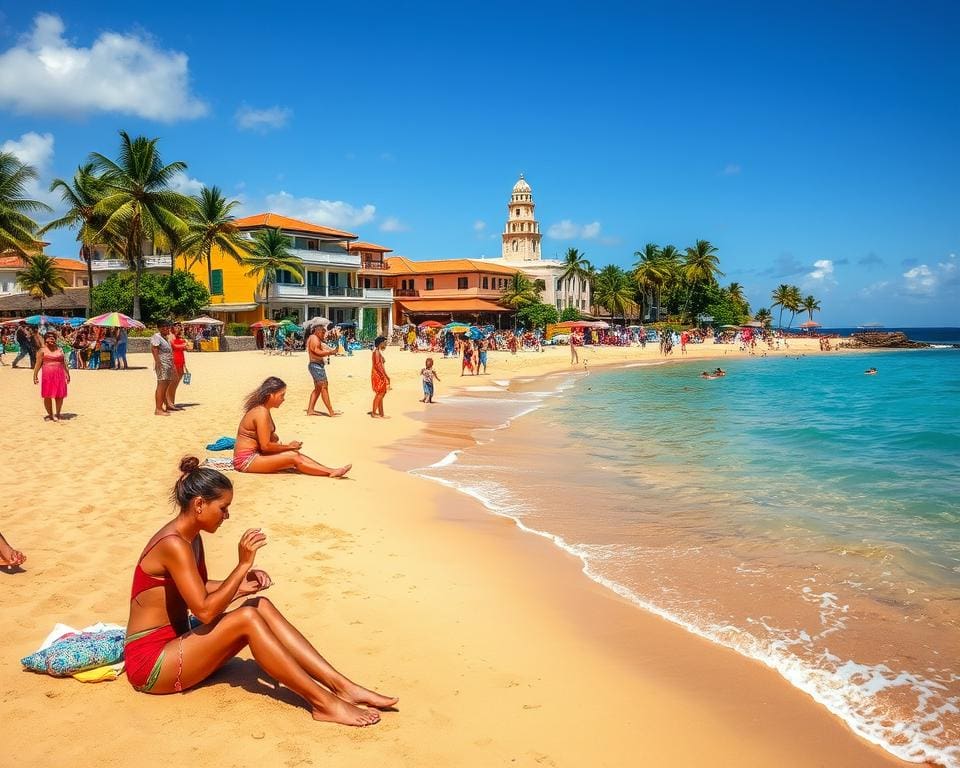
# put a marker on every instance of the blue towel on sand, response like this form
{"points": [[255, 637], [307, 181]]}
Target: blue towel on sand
{"points": [[222, 444]]}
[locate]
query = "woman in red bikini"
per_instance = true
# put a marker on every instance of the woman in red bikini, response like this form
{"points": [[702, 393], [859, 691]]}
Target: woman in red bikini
{"points": [[167, 652], [379, 380]]}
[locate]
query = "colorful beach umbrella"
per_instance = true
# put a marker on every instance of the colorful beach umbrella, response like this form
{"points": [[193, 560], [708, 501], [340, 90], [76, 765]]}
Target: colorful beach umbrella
{"points": [[263, 324], [114, 320], [43, 320], [76, 321], [430, 324], [456, 327]]}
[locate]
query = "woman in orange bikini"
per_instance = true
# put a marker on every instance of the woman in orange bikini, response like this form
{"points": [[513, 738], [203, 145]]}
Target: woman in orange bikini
{"points": [[259, 450], [167, 652], [378, 377]]}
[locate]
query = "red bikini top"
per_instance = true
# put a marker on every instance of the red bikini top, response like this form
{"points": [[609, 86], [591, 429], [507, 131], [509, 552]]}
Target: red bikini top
{"points": [[142, 581]]}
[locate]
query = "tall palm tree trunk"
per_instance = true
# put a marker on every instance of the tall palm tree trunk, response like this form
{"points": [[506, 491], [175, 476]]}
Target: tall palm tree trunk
{"points": [[88, 257]]}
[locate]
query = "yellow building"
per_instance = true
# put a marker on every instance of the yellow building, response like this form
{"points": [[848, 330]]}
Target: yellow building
{"points": [[332, 286]]}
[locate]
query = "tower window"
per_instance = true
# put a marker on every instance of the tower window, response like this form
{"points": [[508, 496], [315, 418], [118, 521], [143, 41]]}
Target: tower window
{"points": [[514, 244]]}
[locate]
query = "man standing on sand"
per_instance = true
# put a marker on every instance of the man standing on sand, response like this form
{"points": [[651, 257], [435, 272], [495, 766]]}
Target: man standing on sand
{"points": [[318, 352]]}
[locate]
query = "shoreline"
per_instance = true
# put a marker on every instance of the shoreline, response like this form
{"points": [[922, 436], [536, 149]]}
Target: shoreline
{"points": [[501, 651]]}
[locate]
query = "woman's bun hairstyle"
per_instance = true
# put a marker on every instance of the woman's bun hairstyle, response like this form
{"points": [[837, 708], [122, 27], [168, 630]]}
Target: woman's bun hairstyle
{"points": [[189, 463], [196, 481]]}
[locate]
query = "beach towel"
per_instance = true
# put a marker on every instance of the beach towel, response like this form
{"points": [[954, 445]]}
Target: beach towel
{"points": [[218, 463], [67, 651], [222, 444]]}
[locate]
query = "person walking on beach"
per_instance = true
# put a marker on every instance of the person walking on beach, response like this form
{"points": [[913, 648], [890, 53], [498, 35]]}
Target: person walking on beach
{"points": [[482, 356], [25, 342], [318, 352], [56, 376], [379, 379], [258, 448], [684, 338], [428, 375], [467, 364], [574, 343], [163, 367], [165, 653]]}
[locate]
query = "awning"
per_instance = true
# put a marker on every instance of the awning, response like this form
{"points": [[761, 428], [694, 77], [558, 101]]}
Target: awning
{"points": [[230, 307], [446, 306]]}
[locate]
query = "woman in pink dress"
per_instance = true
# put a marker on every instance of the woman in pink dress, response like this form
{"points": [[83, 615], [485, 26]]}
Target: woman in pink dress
{"points": [[56, 375]]}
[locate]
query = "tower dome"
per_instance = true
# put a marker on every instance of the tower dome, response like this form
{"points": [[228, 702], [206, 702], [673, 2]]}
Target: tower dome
{"points": [[521, 185]]}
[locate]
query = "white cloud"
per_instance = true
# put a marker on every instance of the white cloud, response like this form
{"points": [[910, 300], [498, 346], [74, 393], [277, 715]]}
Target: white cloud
{"points": [[329, 213], [731, 169], [479, 226], [923, 282], [822, 273], [37, 150], [126, 73], [393, 224], [185, 185], [568, 230], [874, 288], [262, 120]]}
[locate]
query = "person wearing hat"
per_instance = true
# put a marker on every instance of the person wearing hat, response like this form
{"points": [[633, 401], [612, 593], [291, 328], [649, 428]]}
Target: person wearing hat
{"points": [[318, 352]]}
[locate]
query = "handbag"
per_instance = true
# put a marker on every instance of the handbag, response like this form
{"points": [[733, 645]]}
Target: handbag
{"points": [[186, 376]]}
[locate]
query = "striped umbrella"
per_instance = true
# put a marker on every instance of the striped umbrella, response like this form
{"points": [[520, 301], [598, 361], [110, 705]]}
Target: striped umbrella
{"points": [[114, 320]]}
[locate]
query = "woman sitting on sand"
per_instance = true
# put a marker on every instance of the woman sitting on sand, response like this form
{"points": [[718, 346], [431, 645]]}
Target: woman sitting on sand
{"points": [[258, 449], [164, 654]]}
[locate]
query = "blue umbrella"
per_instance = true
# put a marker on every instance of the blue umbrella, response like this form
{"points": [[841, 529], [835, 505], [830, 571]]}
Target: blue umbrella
{"points": [[40, 320], [77, 321]]}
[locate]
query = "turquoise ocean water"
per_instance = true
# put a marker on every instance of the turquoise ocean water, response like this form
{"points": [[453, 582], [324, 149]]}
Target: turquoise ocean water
{"points": [[796, 510]]}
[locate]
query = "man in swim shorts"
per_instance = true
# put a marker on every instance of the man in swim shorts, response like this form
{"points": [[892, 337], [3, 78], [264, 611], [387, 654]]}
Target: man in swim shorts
{"points": [[318, 352]]}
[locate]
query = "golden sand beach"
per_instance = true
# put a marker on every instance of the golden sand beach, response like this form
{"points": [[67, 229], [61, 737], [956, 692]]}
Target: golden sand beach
{"points": [[501, 651]]}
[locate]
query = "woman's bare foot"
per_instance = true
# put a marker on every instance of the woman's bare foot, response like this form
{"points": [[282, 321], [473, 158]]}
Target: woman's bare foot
{"points": [[341, 471], [357, 694], [10, 557], [161, 413], [345, 713]]}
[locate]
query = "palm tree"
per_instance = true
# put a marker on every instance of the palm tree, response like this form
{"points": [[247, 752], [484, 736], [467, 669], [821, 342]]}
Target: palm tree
{"points": [[81, 195], [17, 230], [41, 278], [810, 305], [138, 204], [270, 254], [592, 283], [648, 271], [763, 316], [794, 300], [615, 291], [700, 265], [520, 292], [780, 297], [735, 293], [209, 224], [575, 269]]}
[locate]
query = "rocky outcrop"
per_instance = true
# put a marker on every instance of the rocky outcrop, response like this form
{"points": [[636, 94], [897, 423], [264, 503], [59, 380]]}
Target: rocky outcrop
{"points": [[885, 340]]}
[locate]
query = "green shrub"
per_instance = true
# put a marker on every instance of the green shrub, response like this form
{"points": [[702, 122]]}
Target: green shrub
{"points": [[238, 329]]}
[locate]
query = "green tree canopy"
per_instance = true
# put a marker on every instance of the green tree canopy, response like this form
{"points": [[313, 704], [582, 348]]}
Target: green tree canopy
{"points": [[269, 254], [569, 313], [210, 222], [537, 315], [179, 295], [615, 291], [520, 292]]}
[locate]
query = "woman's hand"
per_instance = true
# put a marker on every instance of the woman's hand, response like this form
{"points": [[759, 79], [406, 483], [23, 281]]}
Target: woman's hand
{"points": [[255, 581], [295, 445], [35, 380], [250, 542]]}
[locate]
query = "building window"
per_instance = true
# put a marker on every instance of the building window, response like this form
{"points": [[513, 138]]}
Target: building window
{"points": [[485, 282], [514, 245], [366, 282], [216, 282], [284, 277], [429, 283], [461, 283]]}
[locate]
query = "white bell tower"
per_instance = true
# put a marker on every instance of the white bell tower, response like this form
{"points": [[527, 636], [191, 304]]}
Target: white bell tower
{"points": [[521, 236]]}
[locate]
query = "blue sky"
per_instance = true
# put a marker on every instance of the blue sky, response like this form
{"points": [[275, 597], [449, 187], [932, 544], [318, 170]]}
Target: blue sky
{"points": [[812, 143]]}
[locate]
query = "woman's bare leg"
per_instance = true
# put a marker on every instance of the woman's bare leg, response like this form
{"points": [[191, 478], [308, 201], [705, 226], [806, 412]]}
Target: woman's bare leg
{"points": [[48, 405], [312, 662], [172, 392], [58, 404], [276, 462], [210, 647], [160, 399]]}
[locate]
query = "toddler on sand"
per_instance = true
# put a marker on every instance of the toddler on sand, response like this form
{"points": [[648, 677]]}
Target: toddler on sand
{"points": [[428, 375]]}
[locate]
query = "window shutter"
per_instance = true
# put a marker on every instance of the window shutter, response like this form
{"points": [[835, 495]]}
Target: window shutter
{"points": [[216, 283]]}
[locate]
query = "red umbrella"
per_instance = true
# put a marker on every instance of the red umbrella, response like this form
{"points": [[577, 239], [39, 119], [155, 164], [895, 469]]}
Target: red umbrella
{"points": [[430, 324], [263, 324]]}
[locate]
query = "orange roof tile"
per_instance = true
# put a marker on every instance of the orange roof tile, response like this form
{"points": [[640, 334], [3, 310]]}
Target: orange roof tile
{"points": [[71, 264], [275, 220], [15, 262], [403, 265], [360, 246]]}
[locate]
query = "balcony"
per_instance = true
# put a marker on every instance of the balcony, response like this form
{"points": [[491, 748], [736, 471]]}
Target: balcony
{"points": [[375, 265], [381, 294], [341, 291], [316, 290], [406, 292], [118, 265], [325, 259]]}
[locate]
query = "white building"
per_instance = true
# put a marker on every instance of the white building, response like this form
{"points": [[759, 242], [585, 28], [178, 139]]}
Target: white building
{"points": [[521, 249]]}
